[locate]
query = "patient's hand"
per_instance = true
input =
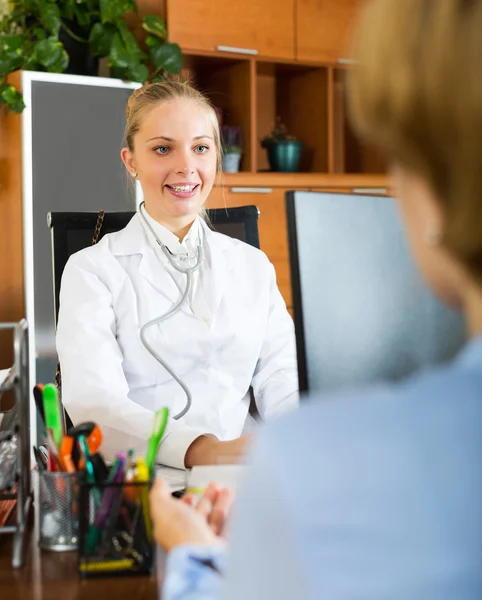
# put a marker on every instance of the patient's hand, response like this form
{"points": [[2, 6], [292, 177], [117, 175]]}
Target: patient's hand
{"points": [[214, 505], [177, 523]]}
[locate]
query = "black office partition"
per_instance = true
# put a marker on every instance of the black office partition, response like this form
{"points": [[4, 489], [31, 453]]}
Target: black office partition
{"points": [[72, 136], [362, 312]]}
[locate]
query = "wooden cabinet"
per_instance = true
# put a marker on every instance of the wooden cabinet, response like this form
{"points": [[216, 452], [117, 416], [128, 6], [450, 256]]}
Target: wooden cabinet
{"points": [[349, 154], [324, 28], [298, 94], [273, 232], [264, 26]]}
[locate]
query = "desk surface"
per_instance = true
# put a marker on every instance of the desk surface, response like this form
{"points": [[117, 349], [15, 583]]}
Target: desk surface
{"points": [[53, 576]]}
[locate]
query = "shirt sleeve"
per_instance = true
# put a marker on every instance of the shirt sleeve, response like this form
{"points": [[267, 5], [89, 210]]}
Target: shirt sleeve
{"points": [[275, 380], [263, 542], [194, 573], [94, 386]]}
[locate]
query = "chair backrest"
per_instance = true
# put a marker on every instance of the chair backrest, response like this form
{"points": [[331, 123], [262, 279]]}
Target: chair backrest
{"points": [[73, 231]]}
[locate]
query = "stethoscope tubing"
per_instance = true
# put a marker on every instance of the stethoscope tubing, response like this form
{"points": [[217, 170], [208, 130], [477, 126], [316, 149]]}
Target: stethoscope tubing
{"points": [[188, 271]]}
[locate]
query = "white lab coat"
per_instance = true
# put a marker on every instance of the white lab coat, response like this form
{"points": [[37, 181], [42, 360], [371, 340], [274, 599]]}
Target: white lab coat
{"points": [[111, 289]]}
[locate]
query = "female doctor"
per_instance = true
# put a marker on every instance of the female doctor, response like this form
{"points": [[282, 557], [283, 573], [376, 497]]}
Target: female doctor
{"points": [[231, 332]]}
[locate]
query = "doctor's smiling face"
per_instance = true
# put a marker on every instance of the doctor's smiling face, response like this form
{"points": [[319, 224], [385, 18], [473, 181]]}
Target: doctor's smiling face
{"points": [[173, 149]]}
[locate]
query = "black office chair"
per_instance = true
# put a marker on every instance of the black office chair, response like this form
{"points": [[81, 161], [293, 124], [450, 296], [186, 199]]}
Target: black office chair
{"points": [[73, 231]]}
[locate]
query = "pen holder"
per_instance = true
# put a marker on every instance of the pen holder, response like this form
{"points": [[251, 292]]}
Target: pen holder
{"points": [[58, 510], [115, 533]]}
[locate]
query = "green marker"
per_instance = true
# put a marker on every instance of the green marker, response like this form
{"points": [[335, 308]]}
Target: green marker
{"points": [[158, 428], [53, 413]]}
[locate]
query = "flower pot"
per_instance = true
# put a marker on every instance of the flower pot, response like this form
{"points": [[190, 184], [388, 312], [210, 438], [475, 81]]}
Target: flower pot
{"points": [[231, 163], [284, 155]]}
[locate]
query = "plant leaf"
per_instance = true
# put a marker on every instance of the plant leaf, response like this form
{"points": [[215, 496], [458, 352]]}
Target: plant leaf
{"points": [[129, 40], [68, 8], [155, 25], [31, 64], [138, 73], [9, 63], [82, 16], [118, 73], [61, 64], [153, 41], [40, 33], [167, 57], [112, 10], [49, 53], [12, 98], [11, 53], [118, 56], [100, 39], [50, 18], [11, 42]]}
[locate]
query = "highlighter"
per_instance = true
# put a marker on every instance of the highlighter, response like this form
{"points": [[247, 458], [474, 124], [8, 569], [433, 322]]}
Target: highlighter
{"points": [[142, 477], [158, 428], [52, 412]]}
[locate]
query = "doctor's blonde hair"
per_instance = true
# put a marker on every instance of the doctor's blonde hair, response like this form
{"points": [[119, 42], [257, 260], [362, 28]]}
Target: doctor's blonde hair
{"points": [[417, 95], [148, 96]]}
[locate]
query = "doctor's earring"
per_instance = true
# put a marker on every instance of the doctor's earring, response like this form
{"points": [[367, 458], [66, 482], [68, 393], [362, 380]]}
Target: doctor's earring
{"points": [[134, 174]]}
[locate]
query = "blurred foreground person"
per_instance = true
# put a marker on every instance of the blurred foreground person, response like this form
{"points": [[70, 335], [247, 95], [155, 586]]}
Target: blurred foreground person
{"points": [[376, 494]]}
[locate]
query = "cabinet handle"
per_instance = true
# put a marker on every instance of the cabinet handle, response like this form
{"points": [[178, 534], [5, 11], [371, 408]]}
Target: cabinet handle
{"points": [[368, 190], [236, 50], [347, 61], [251, 190]]}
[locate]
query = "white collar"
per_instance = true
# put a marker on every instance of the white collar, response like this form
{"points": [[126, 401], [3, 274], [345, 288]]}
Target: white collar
{"points": [[169, 239]]}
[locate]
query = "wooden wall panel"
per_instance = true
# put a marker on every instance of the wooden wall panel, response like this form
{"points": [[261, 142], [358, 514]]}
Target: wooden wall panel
{"points": [[11, 239]]}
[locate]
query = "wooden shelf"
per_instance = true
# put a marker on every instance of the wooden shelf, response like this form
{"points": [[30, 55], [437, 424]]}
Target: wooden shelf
{"points": [[349, 154], [310, 99], [228, 82], [304, 180], [298, 95]]}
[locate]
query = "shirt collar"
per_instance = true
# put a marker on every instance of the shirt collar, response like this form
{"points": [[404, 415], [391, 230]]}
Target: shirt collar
{"points": [[171, 240]]}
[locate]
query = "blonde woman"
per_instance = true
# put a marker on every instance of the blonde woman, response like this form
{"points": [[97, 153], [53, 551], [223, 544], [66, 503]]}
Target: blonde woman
{"points": [[231, 332], [376, 495]]}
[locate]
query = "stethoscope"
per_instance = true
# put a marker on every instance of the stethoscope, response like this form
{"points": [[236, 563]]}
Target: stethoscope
{"points": [[182, 264]]}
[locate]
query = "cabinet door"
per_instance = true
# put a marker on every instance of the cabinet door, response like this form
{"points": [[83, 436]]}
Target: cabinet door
{"points": [[265, 26], [273, 232], [324, 29]]}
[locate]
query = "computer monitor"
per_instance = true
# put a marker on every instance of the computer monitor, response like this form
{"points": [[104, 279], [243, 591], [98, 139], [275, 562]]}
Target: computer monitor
{"points": [[362, 312]]}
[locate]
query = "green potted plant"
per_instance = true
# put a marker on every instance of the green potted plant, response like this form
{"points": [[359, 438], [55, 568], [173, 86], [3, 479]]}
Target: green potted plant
{"points": [[284, 150], [47, 35], [232, 143]]}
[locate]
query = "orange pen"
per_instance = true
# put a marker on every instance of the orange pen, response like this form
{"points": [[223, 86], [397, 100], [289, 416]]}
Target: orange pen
{"points": [[65, 454]]}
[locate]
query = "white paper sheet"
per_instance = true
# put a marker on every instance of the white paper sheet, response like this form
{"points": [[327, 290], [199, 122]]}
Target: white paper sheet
{"points": [[175, 477]]}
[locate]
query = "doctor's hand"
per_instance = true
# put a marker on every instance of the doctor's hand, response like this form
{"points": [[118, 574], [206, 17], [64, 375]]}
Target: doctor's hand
{"points": [[208, 450], [175, 522]]}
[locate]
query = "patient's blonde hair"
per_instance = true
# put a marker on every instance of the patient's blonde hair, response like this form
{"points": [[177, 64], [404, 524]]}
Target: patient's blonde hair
{"points": [[417, 94]]}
